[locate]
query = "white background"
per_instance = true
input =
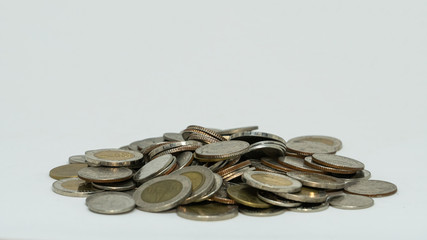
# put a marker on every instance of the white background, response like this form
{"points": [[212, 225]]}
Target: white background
{"points": [[81, 75]]}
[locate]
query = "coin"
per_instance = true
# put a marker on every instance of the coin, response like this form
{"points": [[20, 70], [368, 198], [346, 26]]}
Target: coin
{"points": [[177, 150], [214, 189], [221, 195], [265, 148], [172, 145], [350, 201], [184, 159], [207, 211], [310, 207], [162, 193], [253, 137], [113, 157], [246, 195], [261, 212], [237, 173], [110, 203], [336, 161], [371, 188], [141, 145], [104, 174], [216, 165], [177, 137], [273, 163], [320, 141], [232, 131], [66, 171], [271, 182], [202, 180], [234, 168], [116, 186], [153, 168], [359, 175], [308, 148], [77, 159], [262, 167], [317, 180], [297, 164], [208, 131], [73, 187], [202, 138], [275, 200], [306, 195], [221, 150], [309, 162]]}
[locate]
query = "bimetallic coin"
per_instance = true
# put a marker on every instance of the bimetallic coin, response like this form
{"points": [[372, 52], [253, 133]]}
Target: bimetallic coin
{"points": [[333, 144], [297, 164], [105, 174], [275, 200], [310, 207], [66, 171], [246, 195], [177, 137], [350, 201], [371, 188], [221, 150], [77, 159], [184, 159], [214, 189], [73, 187], [261, 212], [202, 180], [153, 168], [306, 195], [317, 180], [110, 203], [336, 161], [271, 182], [253, 137], [162, 193], [114, 157], [116, 186], [309, 162], [207, 211], [232, 131]]}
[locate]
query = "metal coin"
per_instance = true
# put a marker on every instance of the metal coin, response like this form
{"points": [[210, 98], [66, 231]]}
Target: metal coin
{"points": [[350, 201], [214, 189], [262, 149], [202, 138], [169, 168], [271, 182], [105, 174], [116, 186], [153, 168], [309, 162], [297, 164], [246, 195], [177, 137], [217, 165], [308, 148], [253, 137], [262, 167], [66, 171], [141, 145], [221, 150], [110, 203], [207, 211], [310, 207], [336, 161], [177, 150], [273, 163], [334, 143], [261, 212], [184, 159], [77, 159], [359, 175], [306, 195], [202, 180], [237, 173], [275, 200], [73, 187], [232, 131], [162, 193], [208, 131], [113, 157], [172, 145], [234, 168], [317, 180], [221, 195], [371, 188]]}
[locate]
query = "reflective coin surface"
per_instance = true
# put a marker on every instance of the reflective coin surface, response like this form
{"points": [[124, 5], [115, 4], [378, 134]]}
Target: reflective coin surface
{"points": [[202, 180], [222, 150], [275, 200], [110, 203], [317, 180], [237, 130], [325, 143], [105, 174], [184, 159], [173, 137], [371, 188], [246, 195], [73, 187], [207, 211], [214, 189], [261, 212], [306, 195], [297, 164], [309, 162], [66, 171], [253, 137], [336, 161], [271, 182], [310, 207], [350, 201], [153, 168]]}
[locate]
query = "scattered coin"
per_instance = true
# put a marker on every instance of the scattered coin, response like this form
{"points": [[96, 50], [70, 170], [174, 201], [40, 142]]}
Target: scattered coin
{"points": [[275, 200], [153, 168], [336, 161], [116, 186], [309, 162], [221, 150], [104, 174], [113, 157], [317, 180], [308, 148], [73, 187], [350, 201], [271, 182], [221, 195], [66, 171], [246, 195], [371, 188], [184, 159], [202, 180], [253, 137], [77, 159], [261, 212], [273, 163], [232, 131], [177, 137], [334, 143], [306, 195], [359, 175], [207, 211], [110, 203], [310, 207], [297, 164], [141, 145], [214, 189]]}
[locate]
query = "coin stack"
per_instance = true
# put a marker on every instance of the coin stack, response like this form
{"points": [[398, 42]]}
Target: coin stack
{"points": [[211, 174]]}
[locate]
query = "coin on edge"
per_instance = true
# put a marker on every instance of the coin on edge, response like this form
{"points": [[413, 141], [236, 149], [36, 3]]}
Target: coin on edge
{"points": [[271, 182], [209, 211], [110, 203], [66, 171], [317, 180], [371, 188], [202, 180], [73, 187], [246, 195], [350, 201], [261, 212], [105, 174]]}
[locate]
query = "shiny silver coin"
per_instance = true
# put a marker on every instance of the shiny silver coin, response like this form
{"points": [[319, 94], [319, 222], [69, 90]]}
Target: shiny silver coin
{"points": [[317, 180], [271, 182], [308, 148], [177, 137], [168, 146], [297, 164], [141, 145], [214, 189], [222, 150], [162, 193], [261, 212], [232, 131], [306, 195], [104, 174], [207, 211], [73, 187], [310, 207], [117, 186], [202, 180], [309, 162], [350, 201], [333, 143], [218, 165], [261, 167], [153, 168], [265, 148], [336, 161], [359, 175], [110, 203], [113, 157], [275, 200], [184, 159], [371, 188], [253, 137], [77, 159]]}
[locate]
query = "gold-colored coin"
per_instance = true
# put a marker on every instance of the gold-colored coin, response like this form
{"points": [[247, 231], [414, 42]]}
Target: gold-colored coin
{"points": [[246, 195], [66, 171]]}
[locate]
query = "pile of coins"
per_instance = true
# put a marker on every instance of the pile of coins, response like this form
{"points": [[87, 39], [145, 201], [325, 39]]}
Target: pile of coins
{"points": [[211, 174]]}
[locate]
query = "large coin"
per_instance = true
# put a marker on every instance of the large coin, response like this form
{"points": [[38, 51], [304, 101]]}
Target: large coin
{"points": [[66, 171], [275, 200], [202, 180], [110, 203], [310, 207], [74, 187], [350, 201], [317, 180], [116, 186], [261, 212], [253, 137], [221, 150], [315, 144], [306, 195], [371, 188], [153, 168], [271, 182], [246, 195], [297, 164], [113, 157], [105, 174], [336, 161], [207, 211]]}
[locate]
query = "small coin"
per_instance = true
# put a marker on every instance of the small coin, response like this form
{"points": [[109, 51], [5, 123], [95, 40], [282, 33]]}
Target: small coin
{"points": [[110, 203], [317, 180], [177, 137], [334, 143], [246, 195], [153, 168], [261, 212], [207, 211], [336, 161], [275, 200], [202, 138], [184, 159], [371, 188], [306, 195], [216, 165], [211, 132], [105, 174], [297, 164], [221, 150], [162, 193], [114, 157], [350, 201], [309, 162], [141, 145], [202, 180], [310, 207], [73, 187], [116, 186], [271, 182], [66, 171], [253, 137], [77, 159]]}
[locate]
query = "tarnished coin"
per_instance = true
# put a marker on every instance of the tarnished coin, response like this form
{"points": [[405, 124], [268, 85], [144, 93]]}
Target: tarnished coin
{"points": [[153, 168], [262, 167], [253, 137], [306, 195], [215, 166], [113, 157], [371, 188], [116, 186], [66, 171], [261, 212], [359, 175], [246, 195], [207, 211], [336, 161], [237, 173], [221, 195], [73, 187], [350, 201], [104, 174], [322, 143], [208, 131], [177, 137], [184, 159], [309, 162], [310, 207], [273, 163], [110, 203], [172, 145], [275, 200], [214, 189], [221, 150], [162, 193], [202, 180], [297, 164], [308, 148], [77, 159], [266, 148], [271, 182], [141, 145], [317, 180], [237, 130]]}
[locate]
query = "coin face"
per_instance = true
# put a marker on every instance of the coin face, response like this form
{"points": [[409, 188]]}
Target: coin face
{"points": [[110, 203], [73, 187], [77, 159], [317, 180], [309, 162], [336, 161], [297, 164], [153, 168], [202, 180], [273, 163], [275, 200], [104, 174], [310, 207], [271, 182], [246, 195], [265, 148], [253, 137], [184, 159], [319, 143], [371, 188], [359, 175], [209, 211], [222, 150], [306, 195], [350, 201], [261, 212], [116, 186], [113, 157], [214, 189], [66, 171]]}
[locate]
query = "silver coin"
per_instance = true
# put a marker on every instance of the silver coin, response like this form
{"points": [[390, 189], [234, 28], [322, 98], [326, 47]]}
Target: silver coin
{"points": [[297, 163], [261, 167], [253, 137], [265, 148], [141, 145], [218, 165], [371, 188], [169, 168], [309, 162], [317, 180], [359, 175], [162, 193], [214, 189], [113, 157], [207, 211], [310, 207], [336, 161], [275, 200], [153, 168], [172, 145], [126, 147], [104, 174], [77, 159], [202, 180], [238, 173], [110, 203], [334, 143], [232, 131], [227, 149], [306, 195], [177, 137], [184, 159], [73, 187], [271, 182], [350, 201], [117, 186], [261, 212]]}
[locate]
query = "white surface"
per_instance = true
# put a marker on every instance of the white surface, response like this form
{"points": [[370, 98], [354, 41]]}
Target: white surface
{"points": [[80, 75]]}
